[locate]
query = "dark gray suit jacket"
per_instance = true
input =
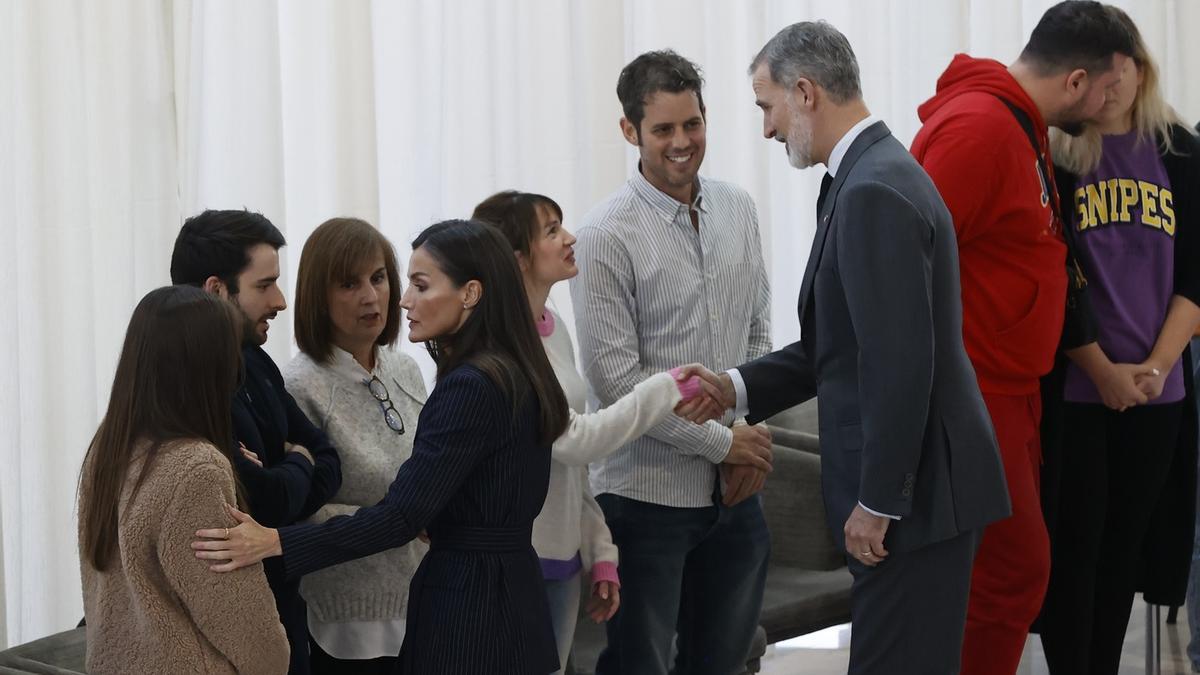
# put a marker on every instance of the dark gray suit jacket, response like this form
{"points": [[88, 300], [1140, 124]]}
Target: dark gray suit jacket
{"points": [[903, 426]]}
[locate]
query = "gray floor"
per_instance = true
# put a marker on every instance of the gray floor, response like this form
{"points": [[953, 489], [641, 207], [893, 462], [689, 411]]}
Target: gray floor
{"points": [[828, 652]]}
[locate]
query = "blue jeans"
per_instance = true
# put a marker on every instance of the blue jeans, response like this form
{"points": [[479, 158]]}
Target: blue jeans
{"points": [[695, 573], [563, 597], [1193, 593]]}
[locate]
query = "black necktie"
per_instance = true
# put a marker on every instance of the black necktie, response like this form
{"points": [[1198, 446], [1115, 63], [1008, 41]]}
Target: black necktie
{"points": [[825, 183]]}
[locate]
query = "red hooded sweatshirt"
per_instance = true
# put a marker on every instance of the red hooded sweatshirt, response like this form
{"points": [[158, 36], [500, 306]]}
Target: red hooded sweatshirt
{"points": [[1012, 260]]}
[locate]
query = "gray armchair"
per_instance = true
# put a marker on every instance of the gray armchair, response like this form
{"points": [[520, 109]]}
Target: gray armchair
{"points": [[58, 654]]}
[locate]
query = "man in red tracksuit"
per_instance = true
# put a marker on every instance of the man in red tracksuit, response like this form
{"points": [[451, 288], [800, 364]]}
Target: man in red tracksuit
{"points": [[1013, 267]]}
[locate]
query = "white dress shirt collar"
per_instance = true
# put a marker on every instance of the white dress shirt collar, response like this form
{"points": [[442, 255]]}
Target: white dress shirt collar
{"points": [[842, 146]]}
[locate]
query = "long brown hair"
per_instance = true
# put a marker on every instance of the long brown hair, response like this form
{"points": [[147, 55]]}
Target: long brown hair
{"points": [[499, 337], [334, 252], [178, 370]]}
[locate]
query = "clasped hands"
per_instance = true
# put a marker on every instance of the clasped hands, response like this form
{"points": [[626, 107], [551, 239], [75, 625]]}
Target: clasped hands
{"points": [[744, 470], [1124, 385]]}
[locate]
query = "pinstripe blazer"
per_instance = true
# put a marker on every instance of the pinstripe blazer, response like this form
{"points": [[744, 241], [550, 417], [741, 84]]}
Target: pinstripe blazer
{"points": [[476, 480]]}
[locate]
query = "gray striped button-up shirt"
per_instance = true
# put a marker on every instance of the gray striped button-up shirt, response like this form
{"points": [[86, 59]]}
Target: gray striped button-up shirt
{"points": [[654, 293]]}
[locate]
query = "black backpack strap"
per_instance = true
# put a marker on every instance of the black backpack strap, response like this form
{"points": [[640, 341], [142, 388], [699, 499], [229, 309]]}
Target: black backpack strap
{"points": [[1048, 190], [1080, 323], [1049, 194]]}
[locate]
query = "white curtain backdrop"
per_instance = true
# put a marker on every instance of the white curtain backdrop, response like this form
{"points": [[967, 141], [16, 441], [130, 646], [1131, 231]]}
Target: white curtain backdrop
{"points": [[119, 119]]}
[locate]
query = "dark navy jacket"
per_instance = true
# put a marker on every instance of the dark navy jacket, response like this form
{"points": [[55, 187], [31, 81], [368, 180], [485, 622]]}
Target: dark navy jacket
{"points": [[904, 429], [476, 480], [287, 488]]}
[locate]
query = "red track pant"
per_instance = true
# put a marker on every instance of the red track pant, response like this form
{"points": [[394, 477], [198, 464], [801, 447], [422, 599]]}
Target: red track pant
{"points": [[1012, 566]]}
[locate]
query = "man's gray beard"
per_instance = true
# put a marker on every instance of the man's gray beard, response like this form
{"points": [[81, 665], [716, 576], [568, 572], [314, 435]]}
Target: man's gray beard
{"points": [[799, 143], [799, 149]]}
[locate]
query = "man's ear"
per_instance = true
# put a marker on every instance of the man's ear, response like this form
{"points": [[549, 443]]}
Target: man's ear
{"points": [[630, 132], [1076, 81], [805, 93], [215, 286]]}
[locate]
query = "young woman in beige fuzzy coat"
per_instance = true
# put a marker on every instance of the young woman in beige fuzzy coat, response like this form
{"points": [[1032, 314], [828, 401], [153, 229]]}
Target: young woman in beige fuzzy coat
{"points": [[157, 470]]}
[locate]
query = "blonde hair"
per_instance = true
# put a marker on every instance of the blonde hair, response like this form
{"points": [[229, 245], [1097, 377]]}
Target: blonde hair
{"points": [[1153, 117]]}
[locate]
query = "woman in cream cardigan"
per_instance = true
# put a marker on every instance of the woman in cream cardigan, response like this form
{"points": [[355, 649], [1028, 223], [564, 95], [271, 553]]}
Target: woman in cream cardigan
{"points": [[570, 535], [156, 471], [366, 397]]}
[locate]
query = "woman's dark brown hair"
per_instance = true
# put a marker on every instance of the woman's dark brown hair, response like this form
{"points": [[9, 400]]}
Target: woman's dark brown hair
{"points": [[515, 215], [335, 252], [499, 336], [175, 379]]}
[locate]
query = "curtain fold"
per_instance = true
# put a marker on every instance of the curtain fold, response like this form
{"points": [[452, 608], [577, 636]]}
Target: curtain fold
{"points": [[120, 119]]}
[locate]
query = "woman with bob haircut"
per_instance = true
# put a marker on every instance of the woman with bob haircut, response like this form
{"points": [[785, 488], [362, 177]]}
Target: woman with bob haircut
{"points": [[159, 467], [1131, 182], [366, 396], [477, 476]]}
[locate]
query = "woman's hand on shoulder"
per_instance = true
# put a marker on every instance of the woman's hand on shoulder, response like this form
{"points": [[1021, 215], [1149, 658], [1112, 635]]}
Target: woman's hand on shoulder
{"points": [[239, 546]]}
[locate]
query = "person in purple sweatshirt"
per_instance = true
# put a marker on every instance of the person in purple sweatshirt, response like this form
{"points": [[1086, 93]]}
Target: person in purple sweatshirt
{"points": [[1128, 187]]}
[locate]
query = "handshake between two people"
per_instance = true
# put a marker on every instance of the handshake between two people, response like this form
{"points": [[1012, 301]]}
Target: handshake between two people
{"points": [[744, 470]]}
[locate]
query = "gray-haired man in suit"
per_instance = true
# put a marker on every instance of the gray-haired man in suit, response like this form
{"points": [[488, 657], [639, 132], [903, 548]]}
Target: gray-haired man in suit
{"points": [[911, 471]]}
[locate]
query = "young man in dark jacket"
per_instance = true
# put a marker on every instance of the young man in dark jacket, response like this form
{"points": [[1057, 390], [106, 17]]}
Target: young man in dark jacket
{"points": [[285, 463]]}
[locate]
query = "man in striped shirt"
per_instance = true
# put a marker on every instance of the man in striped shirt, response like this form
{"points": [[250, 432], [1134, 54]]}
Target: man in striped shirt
{"points": [[671, 271]]}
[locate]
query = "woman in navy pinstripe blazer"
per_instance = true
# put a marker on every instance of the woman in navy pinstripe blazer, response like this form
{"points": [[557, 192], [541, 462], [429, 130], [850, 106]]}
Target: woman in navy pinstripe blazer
{"points": [[476, 480]]}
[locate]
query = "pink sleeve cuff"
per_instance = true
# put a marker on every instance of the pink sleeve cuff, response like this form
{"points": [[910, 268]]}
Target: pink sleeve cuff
{"points": [[605, 571], [689, 388]]}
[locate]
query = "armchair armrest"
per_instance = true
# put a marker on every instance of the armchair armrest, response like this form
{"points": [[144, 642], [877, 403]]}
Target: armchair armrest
{"points": [[795, 511]]}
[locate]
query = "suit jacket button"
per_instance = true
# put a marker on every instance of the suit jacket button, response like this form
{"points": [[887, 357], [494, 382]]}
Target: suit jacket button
{"points": [[907, 492]]}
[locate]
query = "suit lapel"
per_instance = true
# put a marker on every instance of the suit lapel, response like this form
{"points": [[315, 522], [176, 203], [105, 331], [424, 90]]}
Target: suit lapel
{"points": [[866, 139]]}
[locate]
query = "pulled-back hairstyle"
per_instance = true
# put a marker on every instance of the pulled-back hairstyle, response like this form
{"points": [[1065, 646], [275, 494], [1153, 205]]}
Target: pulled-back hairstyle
{"points": [[1153, 117], [335, 252], [175, 379], [515, 215], [499, 337]]}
